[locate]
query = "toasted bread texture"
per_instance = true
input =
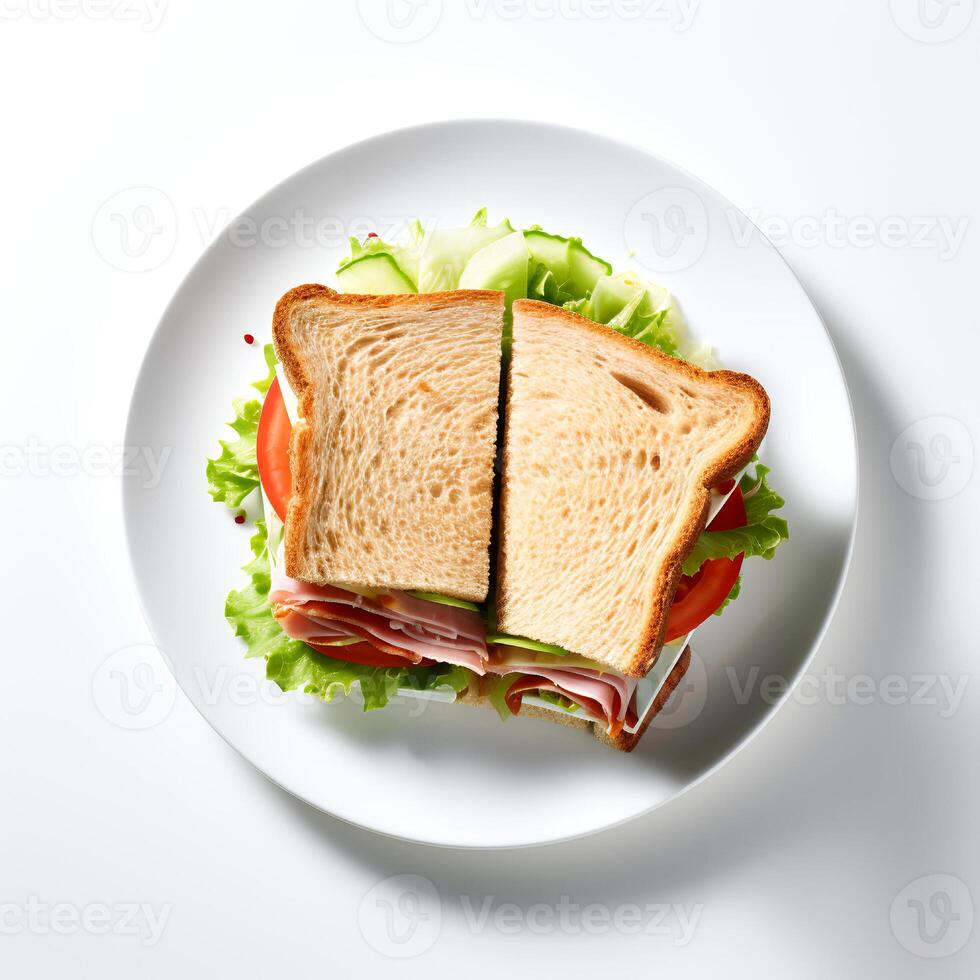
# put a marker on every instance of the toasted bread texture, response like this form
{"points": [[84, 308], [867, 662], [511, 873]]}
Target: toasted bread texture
{"points": [[392, 456], [610, 451], [624, 742]]}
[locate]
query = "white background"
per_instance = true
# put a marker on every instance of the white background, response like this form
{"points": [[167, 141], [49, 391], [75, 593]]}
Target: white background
{"points": [[825, 115]]}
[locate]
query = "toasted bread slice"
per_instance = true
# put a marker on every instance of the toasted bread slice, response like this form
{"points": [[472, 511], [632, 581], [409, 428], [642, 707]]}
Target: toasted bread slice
{"points": [[392, 457], [610, 451]]}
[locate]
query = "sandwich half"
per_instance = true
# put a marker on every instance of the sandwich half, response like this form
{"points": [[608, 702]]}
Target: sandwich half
{"points": [[387, 532], [611, 452]]}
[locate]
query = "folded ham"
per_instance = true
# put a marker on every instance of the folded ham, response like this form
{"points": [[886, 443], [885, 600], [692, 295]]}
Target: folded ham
{"points": [[605, 696], [393, 622]]}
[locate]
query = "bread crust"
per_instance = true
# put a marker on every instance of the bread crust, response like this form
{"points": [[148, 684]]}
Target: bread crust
{"points": [[295, 370], [722, 468]]}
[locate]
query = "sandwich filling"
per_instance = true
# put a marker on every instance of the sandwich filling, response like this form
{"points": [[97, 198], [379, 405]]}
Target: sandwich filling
{"points": [[394, 624]]}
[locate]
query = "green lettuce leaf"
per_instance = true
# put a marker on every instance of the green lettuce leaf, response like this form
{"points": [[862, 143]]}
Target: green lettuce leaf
{"points": [[761, 536], [234, 473], [292, 665]]}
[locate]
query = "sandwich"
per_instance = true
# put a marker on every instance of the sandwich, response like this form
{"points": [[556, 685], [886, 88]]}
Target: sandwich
{"points": [[610, 453], [386, 542], [487, 470]]}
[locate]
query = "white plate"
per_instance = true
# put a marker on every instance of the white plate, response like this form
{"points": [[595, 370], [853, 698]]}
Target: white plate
{"points": [[456, 775]]}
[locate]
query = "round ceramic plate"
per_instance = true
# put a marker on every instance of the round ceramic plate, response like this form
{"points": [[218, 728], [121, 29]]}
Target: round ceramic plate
{"points": [[450, 774]]}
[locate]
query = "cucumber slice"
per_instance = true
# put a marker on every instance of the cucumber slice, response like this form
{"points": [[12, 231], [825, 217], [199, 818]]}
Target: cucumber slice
{"points": [[525, 644], [584, 268], [448, 251], [551, 251], [445, 600], [376, 274], [406, 256], [500, 265]]}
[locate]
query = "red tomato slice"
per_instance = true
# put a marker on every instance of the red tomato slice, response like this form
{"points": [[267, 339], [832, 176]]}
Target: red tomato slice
{"points": [[272, 450], [699, 595], [365, 655]]}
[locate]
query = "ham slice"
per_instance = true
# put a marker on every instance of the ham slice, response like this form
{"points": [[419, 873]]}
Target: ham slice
{"points": [[606, 696], [393, 622]]}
